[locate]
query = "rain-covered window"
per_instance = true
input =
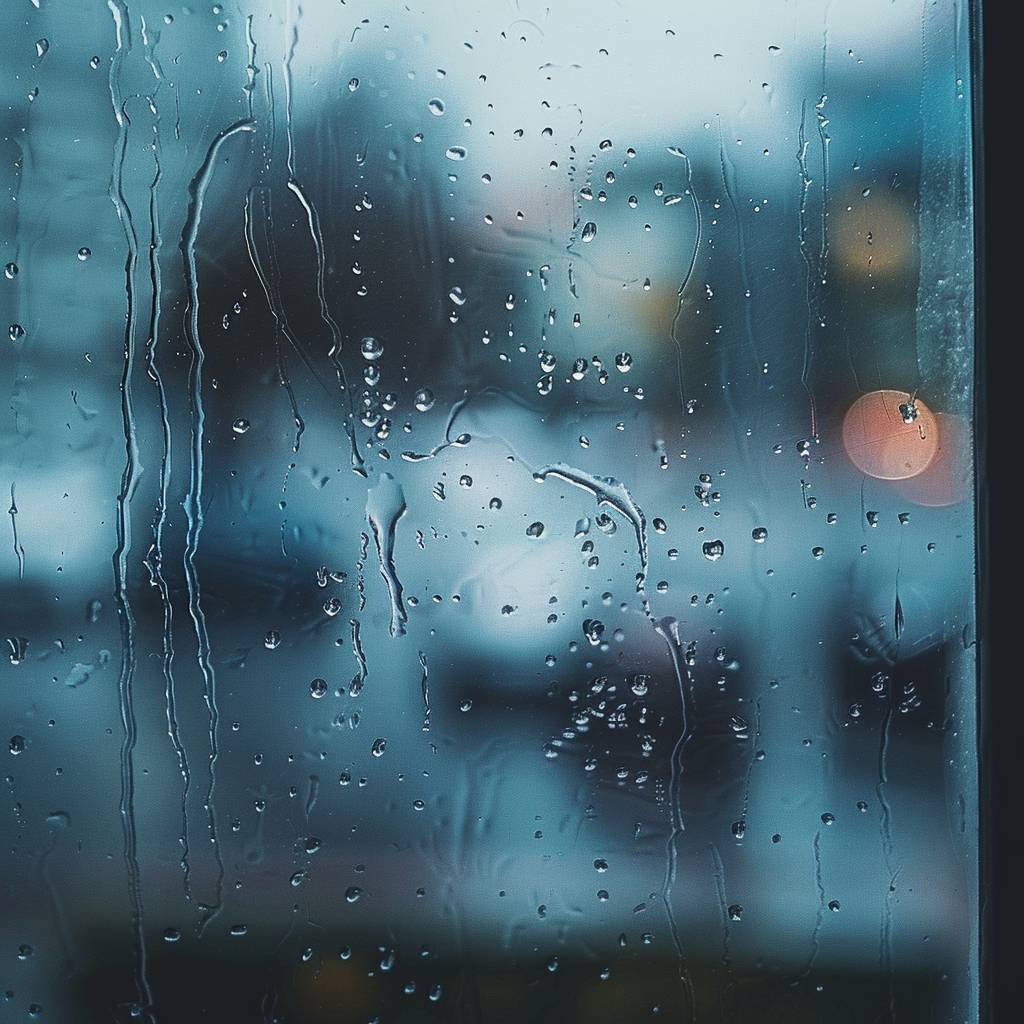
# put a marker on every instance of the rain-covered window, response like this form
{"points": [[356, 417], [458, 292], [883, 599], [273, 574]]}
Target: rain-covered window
{"points": [[489, 523]]}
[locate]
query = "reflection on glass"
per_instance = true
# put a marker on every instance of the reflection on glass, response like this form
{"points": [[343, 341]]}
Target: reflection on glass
{"points": [[490, 526]]}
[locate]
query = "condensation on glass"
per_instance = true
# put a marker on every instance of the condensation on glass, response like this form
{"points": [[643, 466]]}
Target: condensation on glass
{"points": [[490, 525]]}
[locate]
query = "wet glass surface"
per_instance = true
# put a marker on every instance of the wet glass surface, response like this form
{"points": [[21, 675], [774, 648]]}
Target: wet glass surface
{"points": [[490, 531]]}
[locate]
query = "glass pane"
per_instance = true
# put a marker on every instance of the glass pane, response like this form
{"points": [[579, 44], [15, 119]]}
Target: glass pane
{"points": [[491, 523]]}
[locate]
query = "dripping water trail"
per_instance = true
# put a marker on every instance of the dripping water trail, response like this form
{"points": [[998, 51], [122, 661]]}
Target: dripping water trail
{"points": [[674, 329], [819, 914], [129, 482], [155, 556], [753, 759], [60, 922], [754, 468], [729, 182], [811, 272], [250, 67], [666, 629], [364, 546], [385, 505], [726, 957], [824, 139], [359, 680], [312, 793], [885, 823], [425, 687], [316, 234], [19, 551], [193, 504], [609, 491], [270, 285], [282, 364]]}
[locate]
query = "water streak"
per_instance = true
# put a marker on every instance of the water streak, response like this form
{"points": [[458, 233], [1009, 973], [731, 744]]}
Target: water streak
{"points": [[385, 505], [129, 482], [19, 551], [194, 500], [609, 491]]}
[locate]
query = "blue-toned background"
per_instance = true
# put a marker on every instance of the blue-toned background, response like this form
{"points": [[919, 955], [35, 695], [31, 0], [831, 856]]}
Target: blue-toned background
{"points": [[438, 583]]}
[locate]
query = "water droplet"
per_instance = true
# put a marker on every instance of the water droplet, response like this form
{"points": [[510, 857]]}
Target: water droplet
{"points": [[436, 107], [713, 550], [371, 348], [455, 153], [589, 231], [535, 530], [760, 534]]}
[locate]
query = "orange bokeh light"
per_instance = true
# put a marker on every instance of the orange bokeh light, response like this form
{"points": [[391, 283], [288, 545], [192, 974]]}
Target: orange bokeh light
{"points": [[947, 480], [882, 444]]}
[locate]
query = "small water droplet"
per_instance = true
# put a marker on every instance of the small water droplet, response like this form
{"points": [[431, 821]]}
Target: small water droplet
{"points": [[713, 550], [371, 348]]}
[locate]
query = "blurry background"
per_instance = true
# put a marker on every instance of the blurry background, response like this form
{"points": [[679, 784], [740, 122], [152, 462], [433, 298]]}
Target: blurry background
{"points": [[490, 527]]}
